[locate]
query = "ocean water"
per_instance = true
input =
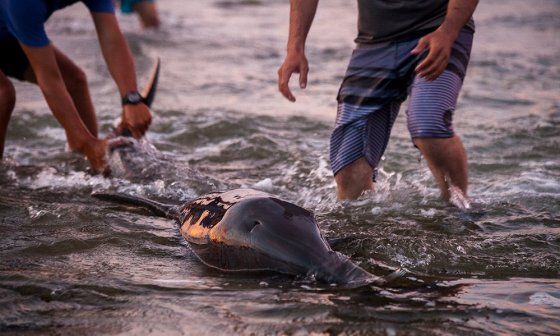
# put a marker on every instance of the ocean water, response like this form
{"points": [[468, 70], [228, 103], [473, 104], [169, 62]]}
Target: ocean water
{"points": [[71, 264]]}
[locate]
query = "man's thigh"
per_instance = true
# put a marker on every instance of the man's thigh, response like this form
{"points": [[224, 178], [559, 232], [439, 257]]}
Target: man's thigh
{"points": [[366, 136], [366, 103], [432, 103]]}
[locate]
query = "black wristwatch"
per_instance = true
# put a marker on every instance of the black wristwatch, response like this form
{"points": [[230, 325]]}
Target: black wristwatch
{"points": [[132, 98]]}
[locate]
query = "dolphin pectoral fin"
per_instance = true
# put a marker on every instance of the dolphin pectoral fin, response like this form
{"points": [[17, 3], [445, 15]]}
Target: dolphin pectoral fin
{"points": [[157, 208], [399, 273], [149, 92]]}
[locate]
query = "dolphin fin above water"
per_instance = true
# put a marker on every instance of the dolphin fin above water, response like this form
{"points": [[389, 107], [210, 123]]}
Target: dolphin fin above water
{"points": [[159, 209], [149, 92], [249, 230], [129, 158]]}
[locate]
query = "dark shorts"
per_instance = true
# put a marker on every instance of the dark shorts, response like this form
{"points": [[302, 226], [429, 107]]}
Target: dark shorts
{"points": [[378, 79], [13, 61]]}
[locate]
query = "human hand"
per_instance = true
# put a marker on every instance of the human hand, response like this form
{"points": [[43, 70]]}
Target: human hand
{"points": [[96, 153], [135, 118], [438, 44], [295, 62]]}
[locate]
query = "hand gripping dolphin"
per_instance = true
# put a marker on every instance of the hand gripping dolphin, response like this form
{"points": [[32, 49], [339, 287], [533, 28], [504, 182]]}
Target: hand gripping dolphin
{"points": [[148, 94], [249, 230], [126, 155]]}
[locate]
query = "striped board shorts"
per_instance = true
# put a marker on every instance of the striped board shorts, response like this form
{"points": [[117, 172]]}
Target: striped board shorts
{"points": [[378, 79]]}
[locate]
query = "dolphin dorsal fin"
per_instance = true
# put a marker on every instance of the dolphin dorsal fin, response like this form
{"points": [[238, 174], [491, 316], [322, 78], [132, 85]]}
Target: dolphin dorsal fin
{"points": [[149, 91]]}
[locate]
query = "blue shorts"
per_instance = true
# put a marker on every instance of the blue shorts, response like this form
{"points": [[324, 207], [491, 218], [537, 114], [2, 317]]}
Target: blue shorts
{"points": [[378, 79], [127, 6]]}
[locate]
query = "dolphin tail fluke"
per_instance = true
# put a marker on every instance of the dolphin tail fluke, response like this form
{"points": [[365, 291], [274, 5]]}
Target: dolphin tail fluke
{"points": [[149, 92], [157, 208]]}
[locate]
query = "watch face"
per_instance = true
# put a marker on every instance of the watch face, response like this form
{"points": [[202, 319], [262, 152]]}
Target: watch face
{"points": [[133, 97]]}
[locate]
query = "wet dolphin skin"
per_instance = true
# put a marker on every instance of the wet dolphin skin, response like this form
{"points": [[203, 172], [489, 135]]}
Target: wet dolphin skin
{"points": [[249, 230]]}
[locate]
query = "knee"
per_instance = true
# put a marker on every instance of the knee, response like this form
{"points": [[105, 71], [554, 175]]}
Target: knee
{"points": [[436, 150], [7, 97], [434, 124], [354, 179], [148, 14], [77, 80], [423, 144], [150, 20]]}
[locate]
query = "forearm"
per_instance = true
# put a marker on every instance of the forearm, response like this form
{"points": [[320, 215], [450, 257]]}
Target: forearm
{"points": [[63, 108], [116, 53], [302, 13], [60, 102], [458, 14]]}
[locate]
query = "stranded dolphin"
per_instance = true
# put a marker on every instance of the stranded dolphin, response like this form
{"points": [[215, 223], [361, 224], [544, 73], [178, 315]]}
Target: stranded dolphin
{"points": [[249, 230], [243, 229]]}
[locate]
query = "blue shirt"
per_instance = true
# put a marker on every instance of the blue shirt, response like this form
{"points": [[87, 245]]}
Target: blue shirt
{"points": [[25, 20]]}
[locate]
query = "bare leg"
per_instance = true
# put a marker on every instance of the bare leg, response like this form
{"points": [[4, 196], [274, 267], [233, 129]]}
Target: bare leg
{"points": [[7, 103], [76, 84], [75, 81], [447, 161], [354, 179], [148, 14]]}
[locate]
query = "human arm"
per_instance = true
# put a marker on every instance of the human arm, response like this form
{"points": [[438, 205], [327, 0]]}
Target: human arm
{"points": [[49, 78], [302, 13], [27, 26], [135, 117], [440, 41]]}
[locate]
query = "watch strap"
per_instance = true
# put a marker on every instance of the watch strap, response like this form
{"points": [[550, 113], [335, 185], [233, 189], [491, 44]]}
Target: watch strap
{"points": [[132, 98]]}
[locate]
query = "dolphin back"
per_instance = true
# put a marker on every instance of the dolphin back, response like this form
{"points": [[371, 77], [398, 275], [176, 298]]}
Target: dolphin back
{"points": [[157, 208]]}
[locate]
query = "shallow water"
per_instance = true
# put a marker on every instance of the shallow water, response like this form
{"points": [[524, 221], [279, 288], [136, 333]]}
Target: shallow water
{"points": [[71, 264]]}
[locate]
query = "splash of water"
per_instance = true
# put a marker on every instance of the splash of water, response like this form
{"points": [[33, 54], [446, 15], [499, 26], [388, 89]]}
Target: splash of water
{"points": [[458, 198]]}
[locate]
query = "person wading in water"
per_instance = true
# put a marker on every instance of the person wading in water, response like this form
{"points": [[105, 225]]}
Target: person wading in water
{"points": [[418, 49]]}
